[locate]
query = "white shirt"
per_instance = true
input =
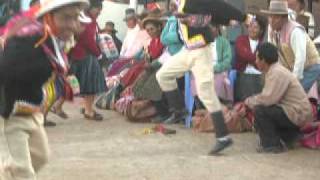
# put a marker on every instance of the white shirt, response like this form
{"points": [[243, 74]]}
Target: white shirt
{"points": [[298, 41], [317, 40], [214, 52], [311, 23], [134, 41], [251, 69]]}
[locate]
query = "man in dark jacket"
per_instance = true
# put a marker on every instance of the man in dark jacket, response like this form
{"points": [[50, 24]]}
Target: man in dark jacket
{"points": [[109, 29]]}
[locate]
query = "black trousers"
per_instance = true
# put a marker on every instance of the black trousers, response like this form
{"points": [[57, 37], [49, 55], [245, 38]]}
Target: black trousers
{"points": [[273, 125]]}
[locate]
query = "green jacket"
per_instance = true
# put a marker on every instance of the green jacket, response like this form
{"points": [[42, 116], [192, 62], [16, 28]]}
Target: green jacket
{"points": [[224, 55]]}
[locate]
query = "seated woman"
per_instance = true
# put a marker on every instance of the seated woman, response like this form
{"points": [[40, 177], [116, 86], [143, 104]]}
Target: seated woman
{"points": [[147, 87], [222, 57], [249, 80]]}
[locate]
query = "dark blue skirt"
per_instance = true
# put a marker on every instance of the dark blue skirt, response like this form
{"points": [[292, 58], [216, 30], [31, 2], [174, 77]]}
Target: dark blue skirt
{"points": [[90, 75]]}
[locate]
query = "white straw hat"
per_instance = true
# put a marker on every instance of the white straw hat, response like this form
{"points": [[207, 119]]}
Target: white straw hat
{"points": [[49, 5], [277, 7]]}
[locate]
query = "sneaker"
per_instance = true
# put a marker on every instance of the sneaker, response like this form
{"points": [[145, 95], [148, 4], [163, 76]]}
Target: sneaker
{"points": [[220, 145]]}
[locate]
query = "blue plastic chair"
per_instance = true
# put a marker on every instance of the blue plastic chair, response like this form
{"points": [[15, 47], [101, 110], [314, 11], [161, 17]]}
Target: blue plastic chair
{"points": [[189, 99]]}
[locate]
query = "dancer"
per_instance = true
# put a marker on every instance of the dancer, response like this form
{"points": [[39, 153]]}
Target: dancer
{"points": [[194, 17], [32, 61]]}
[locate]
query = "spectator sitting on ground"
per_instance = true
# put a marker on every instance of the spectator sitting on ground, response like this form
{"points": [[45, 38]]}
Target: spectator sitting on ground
{"points": [[249, 79], [282, 107]]}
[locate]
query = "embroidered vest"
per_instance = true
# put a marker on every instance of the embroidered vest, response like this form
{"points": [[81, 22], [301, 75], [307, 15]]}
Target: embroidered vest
{"points": [[196, 40], [286, 56]]}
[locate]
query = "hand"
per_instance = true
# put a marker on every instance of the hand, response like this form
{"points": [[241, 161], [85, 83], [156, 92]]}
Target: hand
{"points": [[241, 108]]}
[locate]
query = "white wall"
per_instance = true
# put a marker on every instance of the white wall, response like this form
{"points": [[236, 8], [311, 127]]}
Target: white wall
{"points": [[115, 12], [25, 4]]}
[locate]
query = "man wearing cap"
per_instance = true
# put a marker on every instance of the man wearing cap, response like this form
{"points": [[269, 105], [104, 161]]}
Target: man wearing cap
{"points": [[297, 52], [136, 38], [32, 75], [194, 19], [109, 29]]}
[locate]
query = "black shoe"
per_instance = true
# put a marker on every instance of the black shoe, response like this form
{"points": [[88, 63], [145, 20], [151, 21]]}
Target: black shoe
{"points": [[271, 150], [220, 145], [49, 123], [159, 119], [292, 143], [176, 117]]}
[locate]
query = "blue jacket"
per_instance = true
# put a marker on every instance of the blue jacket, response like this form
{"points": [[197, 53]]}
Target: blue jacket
{"points": [[170, 36]]}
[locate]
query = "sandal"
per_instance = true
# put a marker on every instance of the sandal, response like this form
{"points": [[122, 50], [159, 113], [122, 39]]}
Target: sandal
{"points": [[95, 117], [61, 113]]}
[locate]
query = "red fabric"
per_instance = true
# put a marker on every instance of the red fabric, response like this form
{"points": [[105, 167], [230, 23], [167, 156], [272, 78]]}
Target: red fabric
{"points": [[244, 56], [153, 6], [117, 66], [87, 43], [29, 14], [132, 74], [155, 48], [311, 136]]}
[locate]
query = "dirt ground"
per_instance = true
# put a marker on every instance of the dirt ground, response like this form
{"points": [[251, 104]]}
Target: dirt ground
{"points": [[117, 150]]}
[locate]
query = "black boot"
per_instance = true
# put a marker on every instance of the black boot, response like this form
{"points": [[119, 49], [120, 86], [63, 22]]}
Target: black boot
{"points": [[162, 111], [176, 106], [223, 141]]}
